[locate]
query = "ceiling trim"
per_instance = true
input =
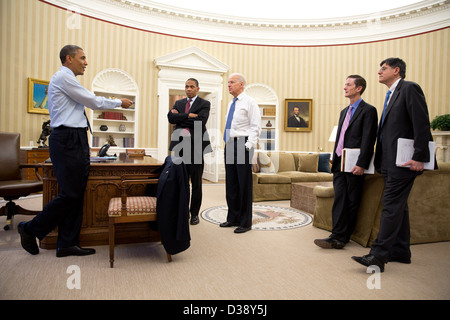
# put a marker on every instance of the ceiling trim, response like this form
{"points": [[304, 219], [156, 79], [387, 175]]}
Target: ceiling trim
{"points": [[422, 17]]}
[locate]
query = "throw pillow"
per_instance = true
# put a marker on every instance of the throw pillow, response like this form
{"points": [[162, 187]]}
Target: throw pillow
{"points": [[264, 159], [324, 162], [255, 163], [308, 162], [266, 163]]}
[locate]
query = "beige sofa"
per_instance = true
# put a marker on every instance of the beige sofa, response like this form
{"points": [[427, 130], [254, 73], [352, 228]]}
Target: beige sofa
{"points": [[428, 202], [273, 172]]}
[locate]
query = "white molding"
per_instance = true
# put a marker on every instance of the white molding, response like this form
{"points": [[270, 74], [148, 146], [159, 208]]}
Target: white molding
{"points": [[115, 80], [191, 58], [174, 69], [146, 15]]}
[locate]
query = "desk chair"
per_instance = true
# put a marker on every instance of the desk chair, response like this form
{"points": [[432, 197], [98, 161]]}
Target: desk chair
{"points": [[128, 209], [12, 186]]}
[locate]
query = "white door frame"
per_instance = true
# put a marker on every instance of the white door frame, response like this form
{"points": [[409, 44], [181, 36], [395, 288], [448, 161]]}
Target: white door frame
{"points": [[175, 69]]}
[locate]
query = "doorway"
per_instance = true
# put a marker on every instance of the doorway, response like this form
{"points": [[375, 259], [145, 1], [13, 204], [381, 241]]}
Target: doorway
{"points": [[175, 69]]}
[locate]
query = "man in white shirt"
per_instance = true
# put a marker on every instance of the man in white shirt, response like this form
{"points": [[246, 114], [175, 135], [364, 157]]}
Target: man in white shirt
{"points": [[69, 152], [242, 130]]}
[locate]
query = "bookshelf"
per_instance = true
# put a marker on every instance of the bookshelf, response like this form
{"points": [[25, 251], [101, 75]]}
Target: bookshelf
{"points": [[115, 125], [268, 105]]}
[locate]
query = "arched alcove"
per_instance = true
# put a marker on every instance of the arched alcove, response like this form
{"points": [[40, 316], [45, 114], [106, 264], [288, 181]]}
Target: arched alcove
{"points": [[122, 123]]}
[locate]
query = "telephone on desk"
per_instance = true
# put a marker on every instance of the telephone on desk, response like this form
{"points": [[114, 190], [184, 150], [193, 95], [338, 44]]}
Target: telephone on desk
{"points": [[102, 154], [101, 157], [103, 150]]}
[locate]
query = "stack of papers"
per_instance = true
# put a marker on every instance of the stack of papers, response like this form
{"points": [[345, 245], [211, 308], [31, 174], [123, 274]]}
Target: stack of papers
{"points": [[349, 159], [405, 152], [100, 159]]}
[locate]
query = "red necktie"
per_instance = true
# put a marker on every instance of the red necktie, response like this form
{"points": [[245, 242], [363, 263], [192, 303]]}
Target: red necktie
{"points": [[186, 110], [188, 106]]}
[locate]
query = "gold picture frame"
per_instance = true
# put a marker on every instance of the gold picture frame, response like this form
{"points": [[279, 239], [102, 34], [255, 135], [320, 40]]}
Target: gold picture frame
{"points": [[303, 109], [37, 96]]}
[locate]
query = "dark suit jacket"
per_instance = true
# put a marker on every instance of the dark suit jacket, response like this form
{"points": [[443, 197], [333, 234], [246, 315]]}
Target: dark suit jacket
{"points": [[172, 206], [293, 122], [361, 133], [181, 120], [406, 117]]}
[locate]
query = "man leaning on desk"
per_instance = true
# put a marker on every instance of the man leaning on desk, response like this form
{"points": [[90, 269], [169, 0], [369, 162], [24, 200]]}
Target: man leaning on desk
{"points": [[69, 152]]}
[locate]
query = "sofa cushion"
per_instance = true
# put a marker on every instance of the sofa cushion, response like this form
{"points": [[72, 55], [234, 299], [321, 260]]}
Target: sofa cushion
{"points": [[297, 176], [285, 162], [272, 178], [308, 162], [273, 162]]}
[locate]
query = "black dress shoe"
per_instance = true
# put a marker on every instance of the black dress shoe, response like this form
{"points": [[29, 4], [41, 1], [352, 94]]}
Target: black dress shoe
{"points": [[194, 220], [27, 241], [74, 251], [242, 229], [227, 224], [329, 243], [369, 260]]}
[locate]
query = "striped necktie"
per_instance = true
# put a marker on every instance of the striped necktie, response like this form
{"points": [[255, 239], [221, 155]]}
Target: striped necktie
{"points": [[340, 145]]}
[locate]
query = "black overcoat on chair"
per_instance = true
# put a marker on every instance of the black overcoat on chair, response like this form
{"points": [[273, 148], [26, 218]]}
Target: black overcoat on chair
{"points": [[172, 206]]}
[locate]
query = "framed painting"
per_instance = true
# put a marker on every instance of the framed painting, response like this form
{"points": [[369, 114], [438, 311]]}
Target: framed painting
{"points": [[298, 115], [37, 96]]}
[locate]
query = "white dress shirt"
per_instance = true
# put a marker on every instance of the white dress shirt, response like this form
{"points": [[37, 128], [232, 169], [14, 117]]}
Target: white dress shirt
{"points": [[67, 99], [246, 120], [392, 89]]}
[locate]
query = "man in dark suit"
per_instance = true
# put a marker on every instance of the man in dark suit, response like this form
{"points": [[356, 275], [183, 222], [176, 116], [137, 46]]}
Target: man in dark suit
{"points": [[357, 129], [190, 139], [405, 115]]}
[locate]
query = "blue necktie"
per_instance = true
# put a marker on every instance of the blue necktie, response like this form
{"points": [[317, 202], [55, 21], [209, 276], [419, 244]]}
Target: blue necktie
{"points": [[226, 134], [89, 125], [385, 105]]}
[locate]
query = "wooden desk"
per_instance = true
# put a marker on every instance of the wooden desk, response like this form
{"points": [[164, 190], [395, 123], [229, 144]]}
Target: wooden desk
{"points": [[33, 156], [102, 185]]}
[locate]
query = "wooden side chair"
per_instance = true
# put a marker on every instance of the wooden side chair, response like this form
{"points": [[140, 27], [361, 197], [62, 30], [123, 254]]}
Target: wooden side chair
{"points": [[129, 209]]}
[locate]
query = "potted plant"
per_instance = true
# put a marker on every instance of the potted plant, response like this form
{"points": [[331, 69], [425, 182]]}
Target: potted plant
{"points": [[441, 122]]}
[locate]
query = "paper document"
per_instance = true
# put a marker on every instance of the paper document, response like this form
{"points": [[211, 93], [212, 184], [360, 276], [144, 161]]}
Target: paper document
{"points": [[405, 151], [349, 159], [103, 159]]}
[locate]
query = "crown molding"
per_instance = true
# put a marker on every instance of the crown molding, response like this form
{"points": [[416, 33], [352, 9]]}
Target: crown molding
{"points": [[424, 16]]}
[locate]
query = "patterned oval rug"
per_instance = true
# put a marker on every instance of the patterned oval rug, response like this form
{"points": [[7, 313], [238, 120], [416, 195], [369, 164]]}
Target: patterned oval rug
{"points": [[264, 217]]}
